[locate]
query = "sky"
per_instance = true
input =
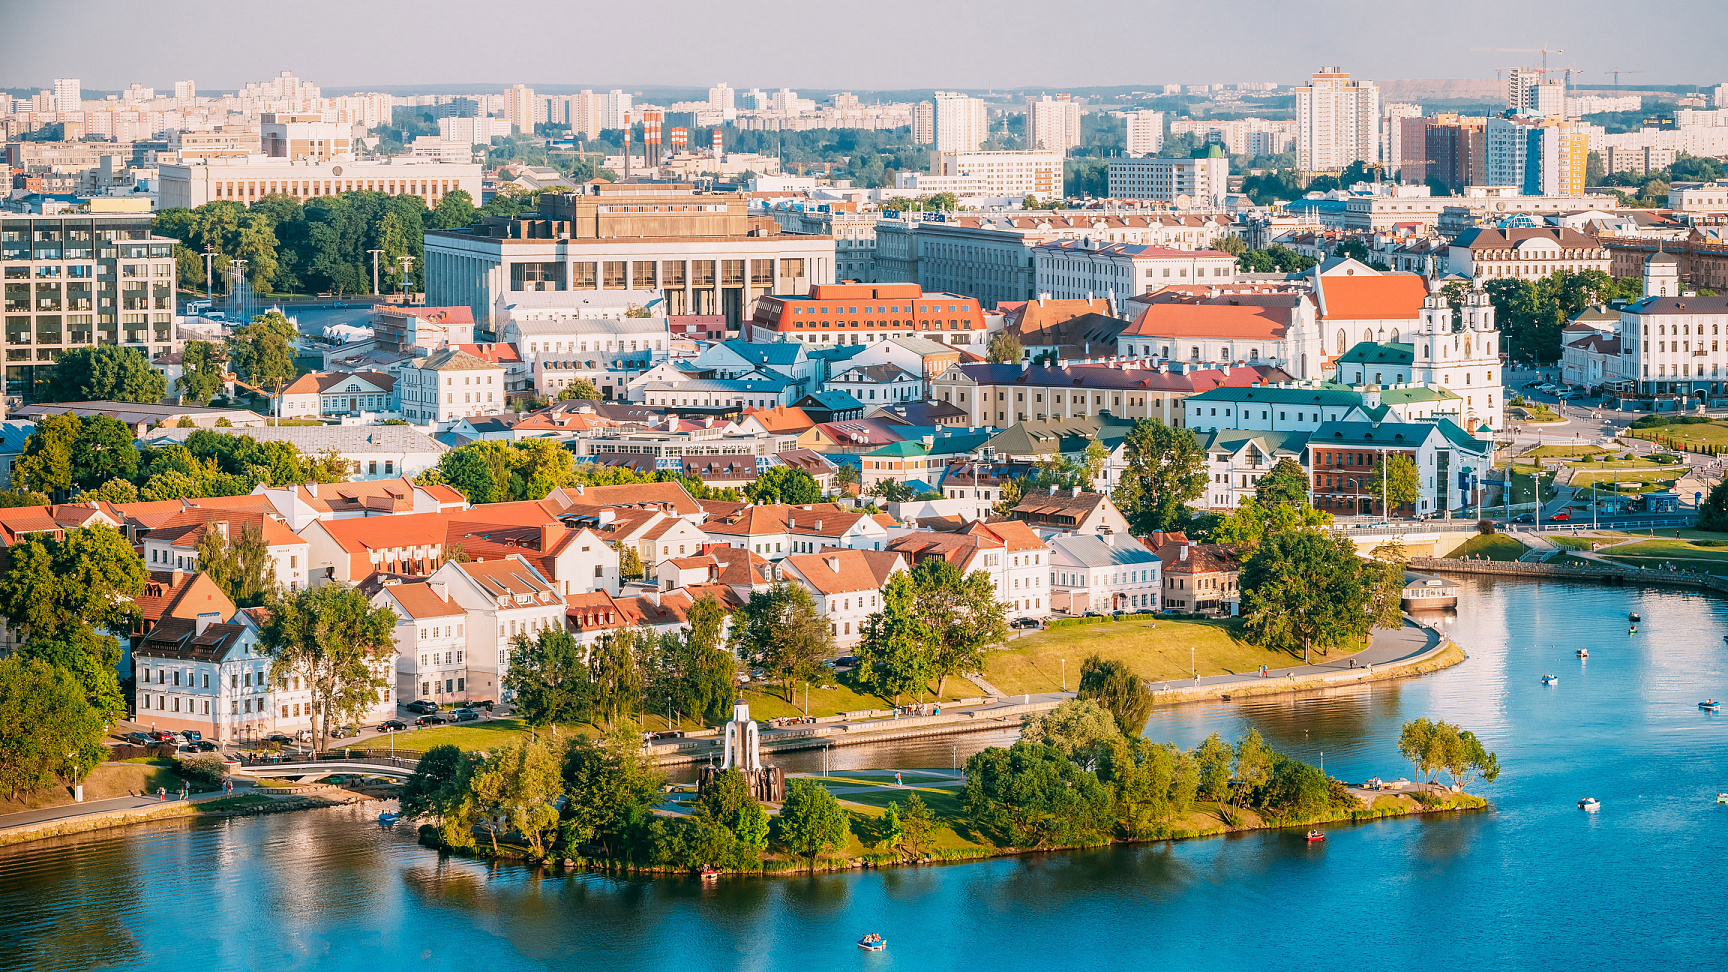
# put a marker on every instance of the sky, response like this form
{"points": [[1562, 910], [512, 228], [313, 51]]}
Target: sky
{"points": [[345, 45]]}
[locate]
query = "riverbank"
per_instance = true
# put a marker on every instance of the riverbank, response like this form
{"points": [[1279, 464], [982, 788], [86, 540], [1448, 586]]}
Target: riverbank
{"points": [[215, 804]]}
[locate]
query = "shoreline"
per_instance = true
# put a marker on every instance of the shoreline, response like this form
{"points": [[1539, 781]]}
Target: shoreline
{"points": [[238, 805], [1406, 806]]}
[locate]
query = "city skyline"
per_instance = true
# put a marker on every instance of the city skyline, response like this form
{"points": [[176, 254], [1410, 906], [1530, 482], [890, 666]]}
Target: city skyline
{"points": [[960, 46]]}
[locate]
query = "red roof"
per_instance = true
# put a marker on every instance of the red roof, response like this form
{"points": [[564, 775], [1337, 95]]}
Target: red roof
{"points": [[1385, 296], [497, 353]]}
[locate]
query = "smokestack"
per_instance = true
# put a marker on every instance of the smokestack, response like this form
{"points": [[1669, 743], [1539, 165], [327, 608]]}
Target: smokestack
{"points": [[626, 146], [680, 140], [651, 144], [717, 143]]}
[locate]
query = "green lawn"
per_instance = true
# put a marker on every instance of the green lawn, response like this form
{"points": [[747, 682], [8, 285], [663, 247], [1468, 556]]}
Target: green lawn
{"points": [[1680, 553], [1561, 451], [467, 736], [1574, 543], [767, 701], [1649, 475], [1698, 433], [1154, 648], [1496, 546], [1536, 413]]}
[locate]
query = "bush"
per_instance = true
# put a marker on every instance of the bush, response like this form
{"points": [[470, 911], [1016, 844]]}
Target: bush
{"points": [[204, 771], [1485, 527]]}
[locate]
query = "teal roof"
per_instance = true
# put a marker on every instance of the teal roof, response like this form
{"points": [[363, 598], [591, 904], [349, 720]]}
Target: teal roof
{"points": [[1321, 393], [780, 353], [838, 401], [942, 445], [1415, 393], [1234, 440], [1370, 352]]}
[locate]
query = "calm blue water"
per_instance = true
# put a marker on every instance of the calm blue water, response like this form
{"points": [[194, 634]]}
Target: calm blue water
{"points": [[1535, 883]]}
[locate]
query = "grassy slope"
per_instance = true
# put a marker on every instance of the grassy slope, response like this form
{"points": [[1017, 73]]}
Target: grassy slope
{"points": [[768, 702], [1155, 648], [1705, 433], [1495, 547], [1668, 550]]}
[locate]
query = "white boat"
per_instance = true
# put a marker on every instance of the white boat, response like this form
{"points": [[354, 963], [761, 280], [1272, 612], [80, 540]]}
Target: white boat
{"points": [[1583, 653], [1590, 804], [1550, 679]]}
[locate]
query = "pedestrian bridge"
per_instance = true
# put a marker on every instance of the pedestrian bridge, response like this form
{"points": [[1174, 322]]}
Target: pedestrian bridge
{"points": [[400, 768]]}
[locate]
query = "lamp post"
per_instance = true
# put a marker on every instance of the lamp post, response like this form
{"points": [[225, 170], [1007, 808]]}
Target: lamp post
{"points": [[77, 781], [1191, 665], [375, 255]]}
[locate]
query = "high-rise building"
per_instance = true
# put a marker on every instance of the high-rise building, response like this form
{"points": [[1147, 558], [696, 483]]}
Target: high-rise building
{"points": [[1536, 156], [1547, 98], [1392, 133], [309, 137], [1201, 183], [1053, 124], [519, 108], [1145, 132], [1454, 146], [961, 124], [1337, 122], [185, 91], [923, 123], [616, 109], [1719, 99], [1519, 81], [722, 99], [68, 95]]}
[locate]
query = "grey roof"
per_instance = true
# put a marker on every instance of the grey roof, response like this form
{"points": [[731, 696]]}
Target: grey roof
{"points": [[1090, 550], [722, 384], [131, 412], [313, 439], [592, 325], [12, 436], [1317, 394], [876, 373], [453, 359], [1663, 305]]}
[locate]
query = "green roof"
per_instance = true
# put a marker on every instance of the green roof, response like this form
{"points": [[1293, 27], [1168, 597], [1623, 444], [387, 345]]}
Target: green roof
{"points": [[1233, 440], [1370, 352], [1322, 393], [1415, 393]]}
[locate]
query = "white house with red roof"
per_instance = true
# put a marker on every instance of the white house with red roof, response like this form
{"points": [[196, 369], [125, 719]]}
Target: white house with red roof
{"points": [[431, 641], [846, 585], [776, 531], [502, 599], [300, 504], [332, 393], [174, 544]]}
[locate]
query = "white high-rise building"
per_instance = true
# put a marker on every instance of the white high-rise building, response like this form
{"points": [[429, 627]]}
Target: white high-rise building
{"points": [[1337, 122], [1390, 132], [923, 123], [616, 107], [519, 108], [1719, 99], [723, 100], [961, 124], [1145, 132], [1519, 81], [68, 95], [1547, 98], [1052, 124], [1191, 183], [185, 91]]}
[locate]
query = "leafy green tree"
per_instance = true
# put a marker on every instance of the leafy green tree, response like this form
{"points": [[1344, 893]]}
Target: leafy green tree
{"points": [[1141, 775], [428, 787], [202, 378], [1286, 483], [454, 211], [1294, 790], [532, 787], [1251, 521], [889, 832], [1232, 245], [337, 643], [896, 655], [113, 491], [46, 465], [581, 388], [961, 613], [1385, 574], [1080, 729], [549, 679], [892, 491], [707, 671], [1093, 460], [1714, 514], [1004, 348], [1253, 765], [1166, 469], [105, 372], [781, 628], [1213, 762], [1306, 588], [1397, 478], [1422, 743], [629, 561], [263, 351], [917, 825], [1124, 694], [44, 715], [610, 790], [1031, 796], [811, 820], [728, 803], [1464, 757], [784, 484], [616, 675], [22, 497], [240, 565], [845, 474]]}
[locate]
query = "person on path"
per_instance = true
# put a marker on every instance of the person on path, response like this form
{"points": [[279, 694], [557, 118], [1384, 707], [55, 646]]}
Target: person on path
{"points": [[897, 779], [183, 790], [161, 794]]}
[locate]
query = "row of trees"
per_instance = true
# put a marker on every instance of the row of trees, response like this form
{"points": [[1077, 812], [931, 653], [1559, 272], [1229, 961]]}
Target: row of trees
{"points": [[497, 472], [935, 622], [1435, 746]]}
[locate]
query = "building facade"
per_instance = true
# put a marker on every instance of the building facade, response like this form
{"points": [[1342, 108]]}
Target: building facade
{"points": [[247, 180], [1337, 122], [1186, 183]]}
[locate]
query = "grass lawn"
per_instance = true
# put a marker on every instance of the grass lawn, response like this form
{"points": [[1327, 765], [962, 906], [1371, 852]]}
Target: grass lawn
{"points": [[1697, 433], [1649, 475], [1536, 414], [1523, 483], [467, 737], [1573, 543], [768, 702], [1680, 553], [1561, 451], [1496, 546], [944, 800], [1154, 648]]}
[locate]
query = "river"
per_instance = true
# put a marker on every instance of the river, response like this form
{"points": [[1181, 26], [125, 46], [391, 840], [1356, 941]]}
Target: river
{"points": [[1533, 883]]}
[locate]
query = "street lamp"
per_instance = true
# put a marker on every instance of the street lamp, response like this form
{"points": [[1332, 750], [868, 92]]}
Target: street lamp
{"points": [[77, 782]]}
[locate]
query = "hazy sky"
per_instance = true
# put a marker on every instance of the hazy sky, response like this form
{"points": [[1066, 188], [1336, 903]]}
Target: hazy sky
{"points": [[877, 44]]}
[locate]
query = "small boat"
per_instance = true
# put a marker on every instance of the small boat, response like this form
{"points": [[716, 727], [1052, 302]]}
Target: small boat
{"points": [[1634, 630], [1583, 653], [1550, 679], [1315, 836], [872, 943], [1710, 704], [1633, 617], [1722, 798], [1590, 804], [388, 818], [710, 874]]}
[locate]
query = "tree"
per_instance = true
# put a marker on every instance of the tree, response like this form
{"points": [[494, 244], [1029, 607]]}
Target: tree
{"points": [[1251, 521], [918, 825], [1286, 484], [105, 372], [263, 351], [1166, 469], [1253, 765], [1386, 575], [890, 833], [629, 561], [1093, 460], [44, 715], [892, 491], [549, 679], [784, 484], [1031, 796], [1421, 742], [103, 450], [1397, 478], [1714, 514], [1232, 245], [241, 566], [896, 654], [1004, 348], [1124, 694], [337, 643], [961, 613], [780, 628], [581, 388], [845, 474], [610, 789], [202, 376], [529, 797], [428, 786], [1142, 776], [46, 465], [727, 803], [616, 674], [1464, 757], [1295, 790], [811, 820], [705, 671], [1305, 587], [454, 211], [113, 491], [1212, 762], [1080, 729]]}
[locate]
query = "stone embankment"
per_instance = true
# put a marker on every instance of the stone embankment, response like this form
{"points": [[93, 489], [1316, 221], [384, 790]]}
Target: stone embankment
{"points": [[1641, 576]]}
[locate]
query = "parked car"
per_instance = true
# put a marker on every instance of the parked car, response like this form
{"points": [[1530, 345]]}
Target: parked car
{"points": [[1027, 624], [192, 735], [161, 735], [279, 738], [137, 738], [392, 725], [481, 704], [467, 715], [1524, 518], [431, 719], [421, 706], [206, 746], [343, 732], [1561, 516], [304, 735]]}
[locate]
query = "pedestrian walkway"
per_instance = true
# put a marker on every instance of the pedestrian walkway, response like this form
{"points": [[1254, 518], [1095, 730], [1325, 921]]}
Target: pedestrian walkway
{"points": [[93, 808]]}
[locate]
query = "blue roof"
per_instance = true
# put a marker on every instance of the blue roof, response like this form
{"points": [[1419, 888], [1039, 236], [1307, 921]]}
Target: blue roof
{"points": [[838, 401], [781, 353], [920, 485], [12, 436]]}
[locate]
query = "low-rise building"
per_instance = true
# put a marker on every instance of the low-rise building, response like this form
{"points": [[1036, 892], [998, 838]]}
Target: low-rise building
{"points": [[431, 644], [174, 544], [1198, 578], [334, 393], [1235, 461], [446, 385], [776, 531], [502, 599], [846, 585], [866, 313], [1051, 512], [373, 452], [1342, 457], [1080, 269], [1103, 574]]}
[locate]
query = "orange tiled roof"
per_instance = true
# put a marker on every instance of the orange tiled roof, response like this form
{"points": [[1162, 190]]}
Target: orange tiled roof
{"points": [[1387, 296]]}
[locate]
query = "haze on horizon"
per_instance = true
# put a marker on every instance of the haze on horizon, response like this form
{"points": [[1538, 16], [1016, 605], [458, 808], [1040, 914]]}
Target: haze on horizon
{"points": [[899, 45]]}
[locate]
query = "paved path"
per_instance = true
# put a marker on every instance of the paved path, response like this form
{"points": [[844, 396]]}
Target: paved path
{"points": [[94, 807], [1389, 647]]}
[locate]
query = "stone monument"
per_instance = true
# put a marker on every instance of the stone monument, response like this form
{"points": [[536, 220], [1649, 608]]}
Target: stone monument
{"points": [[742, 751]]}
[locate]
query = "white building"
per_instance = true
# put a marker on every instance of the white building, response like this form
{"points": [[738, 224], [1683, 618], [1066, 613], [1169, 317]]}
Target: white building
{"points": [[1186, 183], [1090, 572], [1082, 269], [846, 585], [1053, 124], [431, 642], [1145, 132], [1465, 361], [446, 385], [501, 599], [246, 180], [960, 123], [372, 451], [1337, 122], [995, 175], [331, 393], [173, 545], [1668, 340]]}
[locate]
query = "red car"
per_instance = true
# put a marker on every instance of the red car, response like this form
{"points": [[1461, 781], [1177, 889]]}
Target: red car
{"points": [[160, 735], [1561, 516]]}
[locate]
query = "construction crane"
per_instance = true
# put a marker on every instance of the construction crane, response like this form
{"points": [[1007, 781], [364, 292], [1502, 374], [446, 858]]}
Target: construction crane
{"points": [[1570, 70], [1619, 71], [1544, 50]]}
